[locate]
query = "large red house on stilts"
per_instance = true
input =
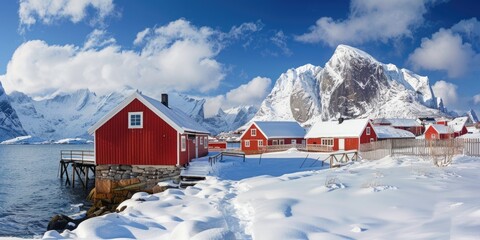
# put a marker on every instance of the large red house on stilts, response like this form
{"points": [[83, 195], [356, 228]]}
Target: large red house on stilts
{"points": [[145, 131]]}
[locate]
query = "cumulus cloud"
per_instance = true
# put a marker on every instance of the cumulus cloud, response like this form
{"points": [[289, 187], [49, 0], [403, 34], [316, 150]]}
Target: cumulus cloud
{"points": [[48, 11], [140, 36], [447, 91], [374, 20], [447, 50], [251, 93], [177, 57]]}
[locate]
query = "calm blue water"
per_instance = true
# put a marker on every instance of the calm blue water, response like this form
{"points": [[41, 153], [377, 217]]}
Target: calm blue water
{"points": [[30, 192]]}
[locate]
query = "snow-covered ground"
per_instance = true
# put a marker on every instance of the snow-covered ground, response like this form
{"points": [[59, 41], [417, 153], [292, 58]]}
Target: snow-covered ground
{"points": [[392, 198]]}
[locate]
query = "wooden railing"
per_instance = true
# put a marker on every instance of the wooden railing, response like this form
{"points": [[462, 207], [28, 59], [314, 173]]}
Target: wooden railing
{"points": [[219, 156], [77, 155], [318, 148]]}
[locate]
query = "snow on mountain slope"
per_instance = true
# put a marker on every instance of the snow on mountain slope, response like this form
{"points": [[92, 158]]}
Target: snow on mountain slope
{"points": [[230, 119], [472, 116], [352, 84], [295, 96], [10, 124]]}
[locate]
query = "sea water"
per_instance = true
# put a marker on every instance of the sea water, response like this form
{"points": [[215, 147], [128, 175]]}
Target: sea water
{"points": [[31, 193]]}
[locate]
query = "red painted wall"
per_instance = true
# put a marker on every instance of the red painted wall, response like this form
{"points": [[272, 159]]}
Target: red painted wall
{"points": [[189, 153], [154, 144], [431, 130], [253, 139], [364, 138]]}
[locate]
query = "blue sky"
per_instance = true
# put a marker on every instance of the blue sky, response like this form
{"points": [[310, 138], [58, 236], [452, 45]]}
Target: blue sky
{"points": [[230, 51]]}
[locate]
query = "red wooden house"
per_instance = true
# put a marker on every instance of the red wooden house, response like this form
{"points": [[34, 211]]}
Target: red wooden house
{"points": [[447, 129], [261, 134], [438, 131], [340, 135], [145, 131]]}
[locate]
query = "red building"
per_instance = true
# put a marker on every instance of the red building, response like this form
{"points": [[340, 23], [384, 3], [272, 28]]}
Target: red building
{"points": [[340, 135], [445, 129], [438, 131], [261, 134], [145, 131]]}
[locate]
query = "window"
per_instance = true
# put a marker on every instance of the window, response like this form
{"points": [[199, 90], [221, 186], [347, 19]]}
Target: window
{"points": [[372, 140], [184, 143], [253, 132], [206, 142], [135, 120], [433, 136], [260, 143], [327, 141], [274, 142], [294, 141], [247, 143], [368, 130], [281, 142], [201, 140]]}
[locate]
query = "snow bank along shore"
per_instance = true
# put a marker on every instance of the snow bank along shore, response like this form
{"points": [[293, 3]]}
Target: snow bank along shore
{"points": [[392, 198]]}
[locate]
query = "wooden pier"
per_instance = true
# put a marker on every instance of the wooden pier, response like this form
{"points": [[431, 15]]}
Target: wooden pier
{"points": [[80, 162]]}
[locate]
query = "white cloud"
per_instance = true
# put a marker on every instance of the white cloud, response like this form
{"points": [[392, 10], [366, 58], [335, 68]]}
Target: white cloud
{"points": [[445, 50], [251, 93], [447, 91], [48, 11], [178, 57], [280, 40], [98, 38], [476, 99], [470, 28], [373, 20], [141, 36]]}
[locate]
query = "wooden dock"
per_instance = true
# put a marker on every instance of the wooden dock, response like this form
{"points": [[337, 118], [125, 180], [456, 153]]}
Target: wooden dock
{"points": [[80, 162]]}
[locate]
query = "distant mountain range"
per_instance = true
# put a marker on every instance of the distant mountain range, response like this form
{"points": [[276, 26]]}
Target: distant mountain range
{"points": [[352, 84]]}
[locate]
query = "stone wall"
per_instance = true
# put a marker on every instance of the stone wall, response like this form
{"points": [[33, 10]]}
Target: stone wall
{"points": [[115, 183]]}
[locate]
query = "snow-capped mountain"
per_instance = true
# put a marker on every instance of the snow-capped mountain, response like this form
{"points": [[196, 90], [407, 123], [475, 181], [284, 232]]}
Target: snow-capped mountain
{"points": [[69, 115], [472, 116], [10, 124], [230, 119], [352, 84]]}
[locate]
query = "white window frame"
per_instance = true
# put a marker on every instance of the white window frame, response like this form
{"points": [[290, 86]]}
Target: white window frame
{"points": [[281, 142], [247, 143], [201, 140], [434, 136], [253, 132], [183, 143], [368, 130], [372, 140], [294, 141], [327, 142], [275, 142], [130, 114], [205, 139], [260, 143]]}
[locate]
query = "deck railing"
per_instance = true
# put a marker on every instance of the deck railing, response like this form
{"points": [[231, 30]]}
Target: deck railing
{"points": [[77, 155], [318, 148]]}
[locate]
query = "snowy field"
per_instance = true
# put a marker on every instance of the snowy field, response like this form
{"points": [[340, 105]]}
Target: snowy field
{"points": [[400, 198]]}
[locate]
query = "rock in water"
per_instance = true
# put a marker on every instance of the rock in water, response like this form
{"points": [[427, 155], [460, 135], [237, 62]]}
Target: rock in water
{"points": [[61, 222]]}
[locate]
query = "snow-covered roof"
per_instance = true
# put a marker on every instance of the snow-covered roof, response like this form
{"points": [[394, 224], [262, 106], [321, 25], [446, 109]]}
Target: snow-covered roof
{"points": [[348, 128], [280, 129], [398, 122], [391, 132], [441, 129], [173, 116], [458, 123]]}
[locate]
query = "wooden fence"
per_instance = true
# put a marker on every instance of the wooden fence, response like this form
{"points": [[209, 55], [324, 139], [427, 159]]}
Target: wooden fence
{"points": [[420, 147]]}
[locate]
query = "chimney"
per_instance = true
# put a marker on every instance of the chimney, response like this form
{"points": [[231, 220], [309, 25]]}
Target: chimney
{"points": [[340, 120], [165, 99]]}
